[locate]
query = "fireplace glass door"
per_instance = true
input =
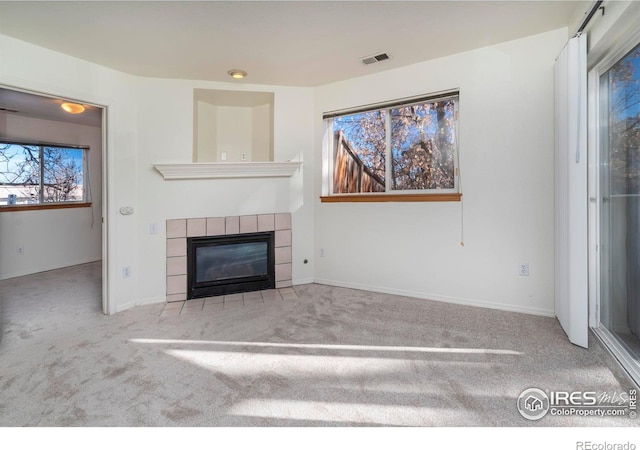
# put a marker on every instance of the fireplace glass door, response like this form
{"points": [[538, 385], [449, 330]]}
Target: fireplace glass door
{"points": [[231, 261], [230, 264]]}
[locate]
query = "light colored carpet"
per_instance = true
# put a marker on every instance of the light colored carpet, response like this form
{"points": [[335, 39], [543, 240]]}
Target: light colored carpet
{"points": [[330, 357]]}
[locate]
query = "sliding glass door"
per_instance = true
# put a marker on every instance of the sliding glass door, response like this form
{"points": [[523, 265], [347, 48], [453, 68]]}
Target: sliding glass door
{"points": [[619, 208]]}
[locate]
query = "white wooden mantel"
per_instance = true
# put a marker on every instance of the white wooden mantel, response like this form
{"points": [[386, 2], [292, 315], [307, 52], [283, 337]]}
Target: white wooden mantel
{"points": [[192, 171]]}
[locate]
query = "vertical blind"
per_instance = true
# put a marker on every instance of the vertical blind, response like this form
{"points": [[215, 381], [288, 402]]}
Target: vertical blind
{"points": [[571, 239]]}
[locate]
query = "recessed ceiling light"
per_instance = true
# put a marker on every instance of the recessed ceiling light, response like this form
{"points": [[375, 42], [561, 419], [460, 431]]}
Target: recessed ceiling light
{"points": [[72, 108], [237, 73]]}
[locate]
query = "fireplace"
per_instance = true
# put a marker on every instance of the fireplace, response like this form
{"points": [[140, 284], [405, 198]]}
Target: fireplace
{"points": [[230, 264], [182, 231]]}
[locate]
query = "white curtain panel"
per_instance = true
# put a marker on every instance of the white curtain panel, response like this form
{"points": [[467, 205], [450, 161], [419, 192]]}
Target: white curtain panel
{"points": [[571, 244]]}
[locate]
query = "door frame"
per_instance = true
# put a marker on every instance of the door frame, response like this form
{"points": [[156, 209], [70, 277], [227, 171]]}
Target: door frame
{"points": [[108, 306]]}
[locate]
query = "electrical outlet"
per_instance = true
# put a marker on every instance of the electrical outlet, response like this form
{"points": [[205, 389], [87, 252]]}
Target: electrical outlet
{"points": [[20, 251], [321, 253], [243, 156], [524, 269], [223, 156], [126, 272], [153, 228]]}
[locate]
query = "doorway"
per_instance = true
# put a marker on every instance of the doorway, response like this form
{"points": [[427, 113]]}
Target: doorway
{"points": [[53, 216]]}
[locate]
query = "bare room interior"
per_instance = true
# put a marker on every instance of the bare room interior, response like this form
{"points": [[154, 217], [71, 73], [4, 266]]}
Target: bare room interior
{"points": [[258, 214]]}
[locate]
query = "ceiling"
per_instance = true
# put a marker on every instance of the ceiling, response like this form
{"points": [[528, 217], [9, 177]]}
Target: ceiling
{"points": [[306, 43], [292, 43], [42, 107]]}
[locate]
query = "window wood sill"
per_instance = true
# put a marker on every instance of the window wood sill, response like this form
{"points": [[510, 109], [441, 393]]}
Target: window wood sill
{"points": [[372, 198], [39, 207]]}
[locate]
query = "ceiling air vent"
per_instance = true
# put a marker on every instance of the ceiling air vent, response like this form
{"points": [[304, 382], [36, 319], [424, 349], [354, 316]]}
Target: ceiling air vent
{"points": [[375, 58], [8, 110]]}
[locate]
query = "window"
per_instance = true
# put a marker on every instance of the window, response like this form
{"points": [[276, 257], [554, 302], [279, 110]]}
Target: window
{"points": [[407, 147], [618, 202], [41, 174]]}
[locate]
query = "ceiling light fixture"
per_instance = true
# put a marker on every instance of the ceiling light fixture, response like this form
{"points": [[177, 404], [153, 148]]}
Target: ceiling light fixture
{"points": [[237, 74], [72, 108]]}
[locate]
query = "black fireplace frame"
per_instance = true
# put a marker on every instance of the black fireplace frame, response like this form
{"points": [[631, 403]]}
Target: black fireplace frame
{"points": [[245, 284]]}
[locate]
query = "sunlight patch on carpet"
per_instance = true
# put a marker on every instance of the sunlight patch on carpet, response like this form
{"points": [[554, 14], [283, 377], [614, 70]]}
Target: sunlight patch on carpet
{"points": [[363, 413], [373, 348]]}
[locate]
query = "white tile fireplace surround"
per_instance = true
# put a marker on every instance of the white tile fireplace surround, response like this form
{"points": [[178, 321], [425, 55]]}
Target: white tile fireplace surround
{"points": [[178, 230]]}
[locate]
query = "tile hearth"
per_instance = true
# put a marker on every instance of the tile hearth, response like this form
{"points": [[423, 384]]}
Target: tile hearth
{"points": [[178, 230], [227, 302]]}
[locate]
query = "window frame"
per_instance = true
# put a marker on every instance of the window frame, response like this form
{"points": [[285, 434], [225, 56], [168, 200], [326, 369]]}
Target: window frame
{"points": [[609, 52], [389, 195], [42, 205]]}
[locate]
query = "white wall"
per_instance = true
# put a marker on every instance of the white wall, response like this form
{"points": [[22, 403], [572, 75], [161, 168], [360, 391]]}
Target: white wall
{"points": [[614, 27], [234, 132], [206, 149], [52, 238], [506, 158], [261, 133]]}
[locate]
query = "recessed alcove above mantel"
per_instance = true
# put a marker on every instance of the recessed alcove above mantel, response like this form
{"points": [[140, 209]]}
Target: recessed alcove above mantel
{"points": [[192, 171], [232, 126]]}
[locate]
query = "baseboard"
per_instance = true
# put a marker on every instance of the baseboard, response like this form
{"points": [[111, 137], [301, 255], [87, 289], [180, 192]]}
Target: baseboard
{"points": [[143, 302], [300, 281], [440, 298]]}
